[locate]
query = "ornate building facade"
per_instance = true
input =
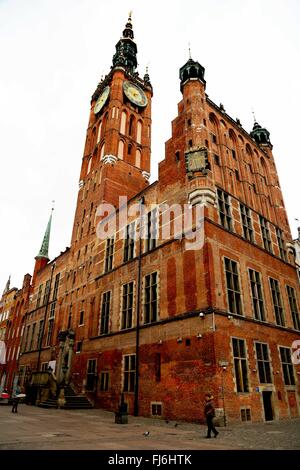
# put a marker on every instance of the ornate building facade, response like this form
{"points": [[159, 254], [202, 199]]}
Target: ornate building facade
{"points": [[157, 320]]}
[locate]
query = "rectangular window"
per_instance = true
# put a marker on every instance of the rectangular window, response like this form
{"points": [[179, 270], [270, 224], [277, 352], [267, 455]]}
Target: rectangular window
{"points": [[277, 302], [224, 209], [233, 287], [293, 306], [127, 306], [46, 293], [156, 409], [129, 242], [56, 284], [240, 365], [51, 324], [81, 318], [257, 295], [151, 230], [233, 154], [287, 366], [26, 338], [109, 254], [91, 375], [245, 414], [263, 363], [39, 296], [213, 138], [31, 345], [40, 334], [129, 373], [105, 310], [280, 241], [265, 233], [104, 380], [246, 222], [44, 366], [150, 298], [70, 318]]}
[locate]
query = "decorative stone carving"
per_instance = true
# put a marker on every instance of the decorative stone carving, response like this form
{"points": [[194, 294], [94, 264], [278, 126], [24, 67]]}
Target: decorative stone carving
{"points": [[146, 175], [106, 159], [204, 196]]}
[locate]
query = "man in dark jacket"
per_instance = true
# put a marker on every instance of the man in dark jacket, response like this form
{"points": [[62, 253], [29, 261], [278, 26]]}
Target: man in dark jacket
{"points": [[209, 412]]}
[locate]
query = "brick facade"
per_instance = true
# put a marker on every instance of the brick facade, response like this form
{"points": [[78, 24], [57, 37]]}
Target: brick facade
{"points": [[183, 342]]}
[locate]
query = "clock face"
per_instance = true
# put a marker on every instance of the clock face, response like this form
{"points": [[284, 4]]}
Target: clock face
{"points": [[135, 94], [101, 100]]}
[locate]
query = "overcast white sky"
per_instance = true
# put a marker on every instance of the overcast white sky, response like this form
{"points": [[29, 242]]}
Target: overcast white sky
{"points": [[53, 53]]}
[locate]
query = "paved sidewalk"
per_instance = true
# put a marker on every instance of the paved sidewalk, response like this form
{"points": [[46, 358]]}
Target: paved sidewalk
{"points": [[42, 429]]}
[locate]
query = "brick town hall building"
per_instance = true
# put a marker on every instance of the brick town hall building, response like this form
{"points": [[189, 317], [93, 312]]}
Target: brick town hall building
{"points": [[151, 320]]}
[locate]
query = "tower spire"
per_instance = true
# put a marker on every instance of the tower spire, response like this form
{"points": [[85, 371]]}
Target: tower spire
{"points": [[43, 253], [126, 50], [7, 287]]}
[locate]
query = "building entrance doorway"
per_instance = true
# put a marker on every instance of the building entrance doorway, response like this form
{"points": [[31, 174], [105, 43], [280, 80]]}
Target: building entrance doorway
{"points": [[267, 401]]}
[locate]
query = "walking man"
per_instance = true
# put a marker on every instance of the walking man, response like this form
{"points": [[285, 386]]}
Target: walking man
{"points": [[16, 399], [209, 412]]}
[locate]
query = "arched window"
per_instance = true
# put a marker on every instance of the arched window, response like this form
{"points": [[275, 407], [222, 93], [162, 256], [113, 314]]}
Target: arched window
{"points": [[123, 123], [102, 151], [121, 150], [99, 132], [89, 166], [129, 149], [139, 132], [138, 157], [131, 126], [248, 149]]}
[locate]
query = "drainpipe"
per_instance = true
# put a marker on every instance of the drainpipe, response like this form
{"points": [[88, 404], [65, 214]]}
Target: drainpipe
{"points": [[137, 344]]}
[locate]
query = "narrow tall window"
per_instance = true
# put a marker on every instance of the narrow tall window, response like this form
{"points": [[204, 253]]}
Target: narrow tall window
{"points": [[287, 366], [40, 334], [246, 222], [265, 232], [240, 365], [263, 363], [150, 298], [233, 287], [277, 302], [151, 230], [46, 293], [70, 318], [109, 254], [138, 158], [293, 306], [129, 242], [56, 284], [121, 150], [129, 373], [139, 132], [257, 295], [39, 296], [123, 123], [105, 310], [224, 209], [280, 241], [32, 342], [104, 381], [127, 306], [51, 324]]}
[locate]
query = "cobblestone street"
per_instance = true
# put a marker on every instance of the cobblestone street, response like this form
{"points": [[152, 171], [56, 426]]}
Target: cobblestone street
{"points": [[40, 429]]}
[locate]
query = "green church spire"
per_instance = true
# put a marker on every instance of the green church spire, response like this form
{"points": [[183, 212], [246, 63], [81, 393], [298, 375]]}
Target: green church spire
{"points": [[43, 253]]}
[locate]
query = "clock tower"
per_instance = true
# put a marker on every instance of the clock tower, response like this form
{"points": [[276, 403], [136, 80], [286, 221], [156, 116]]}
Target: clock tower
{"points": [[116, 159]]}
